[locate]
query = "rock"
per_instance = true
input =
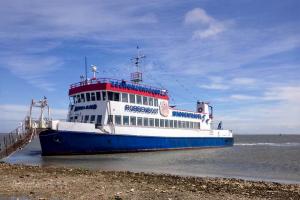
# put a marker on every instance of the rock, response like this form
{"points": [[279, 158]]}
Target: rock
{"points": [[204, 187], [132, 190], [118, 197]]}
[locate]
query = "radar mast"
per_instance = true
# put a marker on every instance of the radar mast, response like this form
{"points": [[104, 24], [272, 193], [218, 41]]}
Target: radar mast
{"points": [[137, 76]]}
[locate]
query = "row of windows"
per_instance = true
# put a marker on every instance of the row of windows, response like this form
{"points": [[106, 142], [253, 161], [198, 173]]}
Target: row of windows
{"points": [[138, 121], [151, 122], [94, 119], [114, 96]]}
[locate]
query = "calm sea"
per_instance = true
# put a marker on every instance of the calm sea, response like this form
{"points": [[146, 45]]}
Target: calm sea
{"points": [[253, 157]]}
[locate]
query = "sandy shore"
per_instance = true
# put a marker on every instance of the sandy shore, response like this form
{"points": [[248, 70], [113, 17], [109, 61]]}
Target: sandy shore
{"points": [[69, 183]]}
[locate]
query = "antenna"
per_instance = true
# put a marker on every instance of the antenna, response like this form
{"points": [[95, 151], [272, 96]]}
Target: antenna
{"points": [[136, 76], [94, 70], [85, 61], [81, 78]]}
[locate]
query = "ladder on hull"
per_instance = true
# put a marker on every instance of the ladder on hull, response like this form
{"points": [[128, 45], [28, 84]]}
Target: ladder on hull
{"points": [[26, 131]]}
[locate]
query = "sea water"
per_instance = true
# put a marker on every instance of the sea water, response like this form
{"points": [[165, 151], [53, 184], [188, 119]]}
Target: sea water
{"points": [[253, 157]]}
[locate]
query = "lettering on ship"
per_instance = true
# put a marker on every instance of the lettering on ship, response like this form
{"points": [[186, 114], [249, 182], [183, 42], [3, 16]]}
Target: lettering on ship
{"points": [[141, 109]]}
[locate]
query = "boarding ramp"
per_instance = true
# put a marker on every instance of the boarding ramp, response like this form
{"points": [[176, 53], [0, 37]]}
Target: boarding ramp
{"points": [[26, 131]]}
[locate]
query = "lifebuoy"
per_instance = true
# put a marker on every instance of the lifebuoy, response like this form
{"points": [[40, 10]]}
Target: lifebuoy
{"points": [[200, 110]]}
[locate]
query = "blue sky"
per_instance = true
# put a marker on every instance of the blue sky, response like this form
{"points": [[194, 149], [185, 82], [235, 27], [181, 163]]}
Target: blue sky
{"points": [[240, 55]]}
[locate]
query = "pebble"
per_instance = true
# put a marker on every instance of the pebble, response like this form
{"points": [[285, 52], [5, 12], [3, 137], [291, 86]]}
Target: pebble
{"points": [[204, 186]]}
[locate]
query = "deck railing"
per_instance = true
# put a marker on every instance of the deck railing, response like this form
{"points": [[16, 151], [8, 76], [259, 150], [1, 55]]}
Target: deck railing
{"points": [[109, 80]]}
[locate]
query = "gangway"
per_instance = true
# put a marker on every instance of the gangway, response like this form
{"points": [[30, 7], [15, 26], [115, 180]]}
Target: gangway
{"points": [[26, 131]]}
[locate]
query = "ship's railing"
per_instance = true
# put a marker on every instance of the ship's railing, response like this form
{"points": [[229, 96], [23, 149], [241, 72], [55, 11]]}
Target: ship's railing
{"points": [[20, 137], [16, 139], [25, 132], [110, 80]]}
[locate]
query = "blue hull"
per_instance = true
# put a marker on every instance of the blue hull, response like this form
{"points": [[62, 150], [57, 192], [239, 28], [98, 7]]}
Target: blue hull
{"points": [[67, 143]]}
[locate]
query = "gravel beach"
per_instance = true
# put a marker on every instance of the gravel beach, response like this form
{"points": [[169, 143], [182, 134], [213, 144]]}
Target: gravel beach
{"points": [[73, 183]]}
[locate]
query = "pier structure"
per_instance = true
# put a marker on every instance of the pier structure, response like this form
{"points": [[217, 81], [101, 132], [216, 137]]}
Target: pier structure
{"points": [[27, 130]]}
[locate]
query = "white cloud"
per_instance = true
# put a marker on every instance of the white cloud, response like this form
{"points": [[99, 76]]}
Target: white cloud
{"points": [[243, 81], [281, 116], [63, 19], [215, 86], [216, 83], [284, 93], [257, 119], [33, 69], [199, 17], [219, 83], [242, 97]]}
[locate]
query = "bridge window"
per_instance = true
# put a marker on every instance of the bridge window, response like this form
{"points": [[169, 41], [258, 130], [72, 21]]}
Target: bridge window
{"points": [[145, 100], [99, 120], [140, 121], [78, 98], [151, 101], [118, 120], [104, 96], [98, 96], [93, 97], [171, 123], [86, 118], [175, 123], [156, 122], [110, 119], [116, 96], [71, 119], [92, 120], [132, 98], [191, 125], [133, 121], [166, 123], [138, 99], [198, 125], [73, 100], [88, 96], [183, 125], [82, 97], [179, 124], [162, 123], [151, 122], [124, 97], [125, 120], [155, 102], [187, 124], [110, 96], [146, 121]]}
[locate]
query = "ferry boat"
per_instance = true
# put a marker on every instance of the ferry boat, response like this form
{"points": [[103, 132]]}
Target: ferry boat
{"points": [[109, 116]]}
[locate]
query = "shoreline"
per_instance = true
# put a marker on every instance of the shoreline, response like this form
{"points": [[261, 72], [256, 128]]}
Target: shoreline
{"points": [[35, 182]]}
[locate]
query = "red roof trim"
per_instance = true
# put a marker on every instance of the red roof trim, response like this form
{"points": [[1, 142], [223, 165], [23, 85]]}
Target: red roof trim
{"points": [[108, 86]]}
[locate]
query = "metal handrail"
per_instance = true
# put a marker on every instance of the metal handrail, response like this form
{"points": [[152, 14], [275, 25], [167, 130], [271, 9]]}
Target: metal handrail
{"points": [[106, 80]]}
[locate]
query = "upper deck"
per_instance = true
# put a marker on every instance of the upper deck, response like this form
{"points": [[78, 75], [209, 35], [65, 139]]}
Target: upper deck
{"points": [[118, 86]]}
